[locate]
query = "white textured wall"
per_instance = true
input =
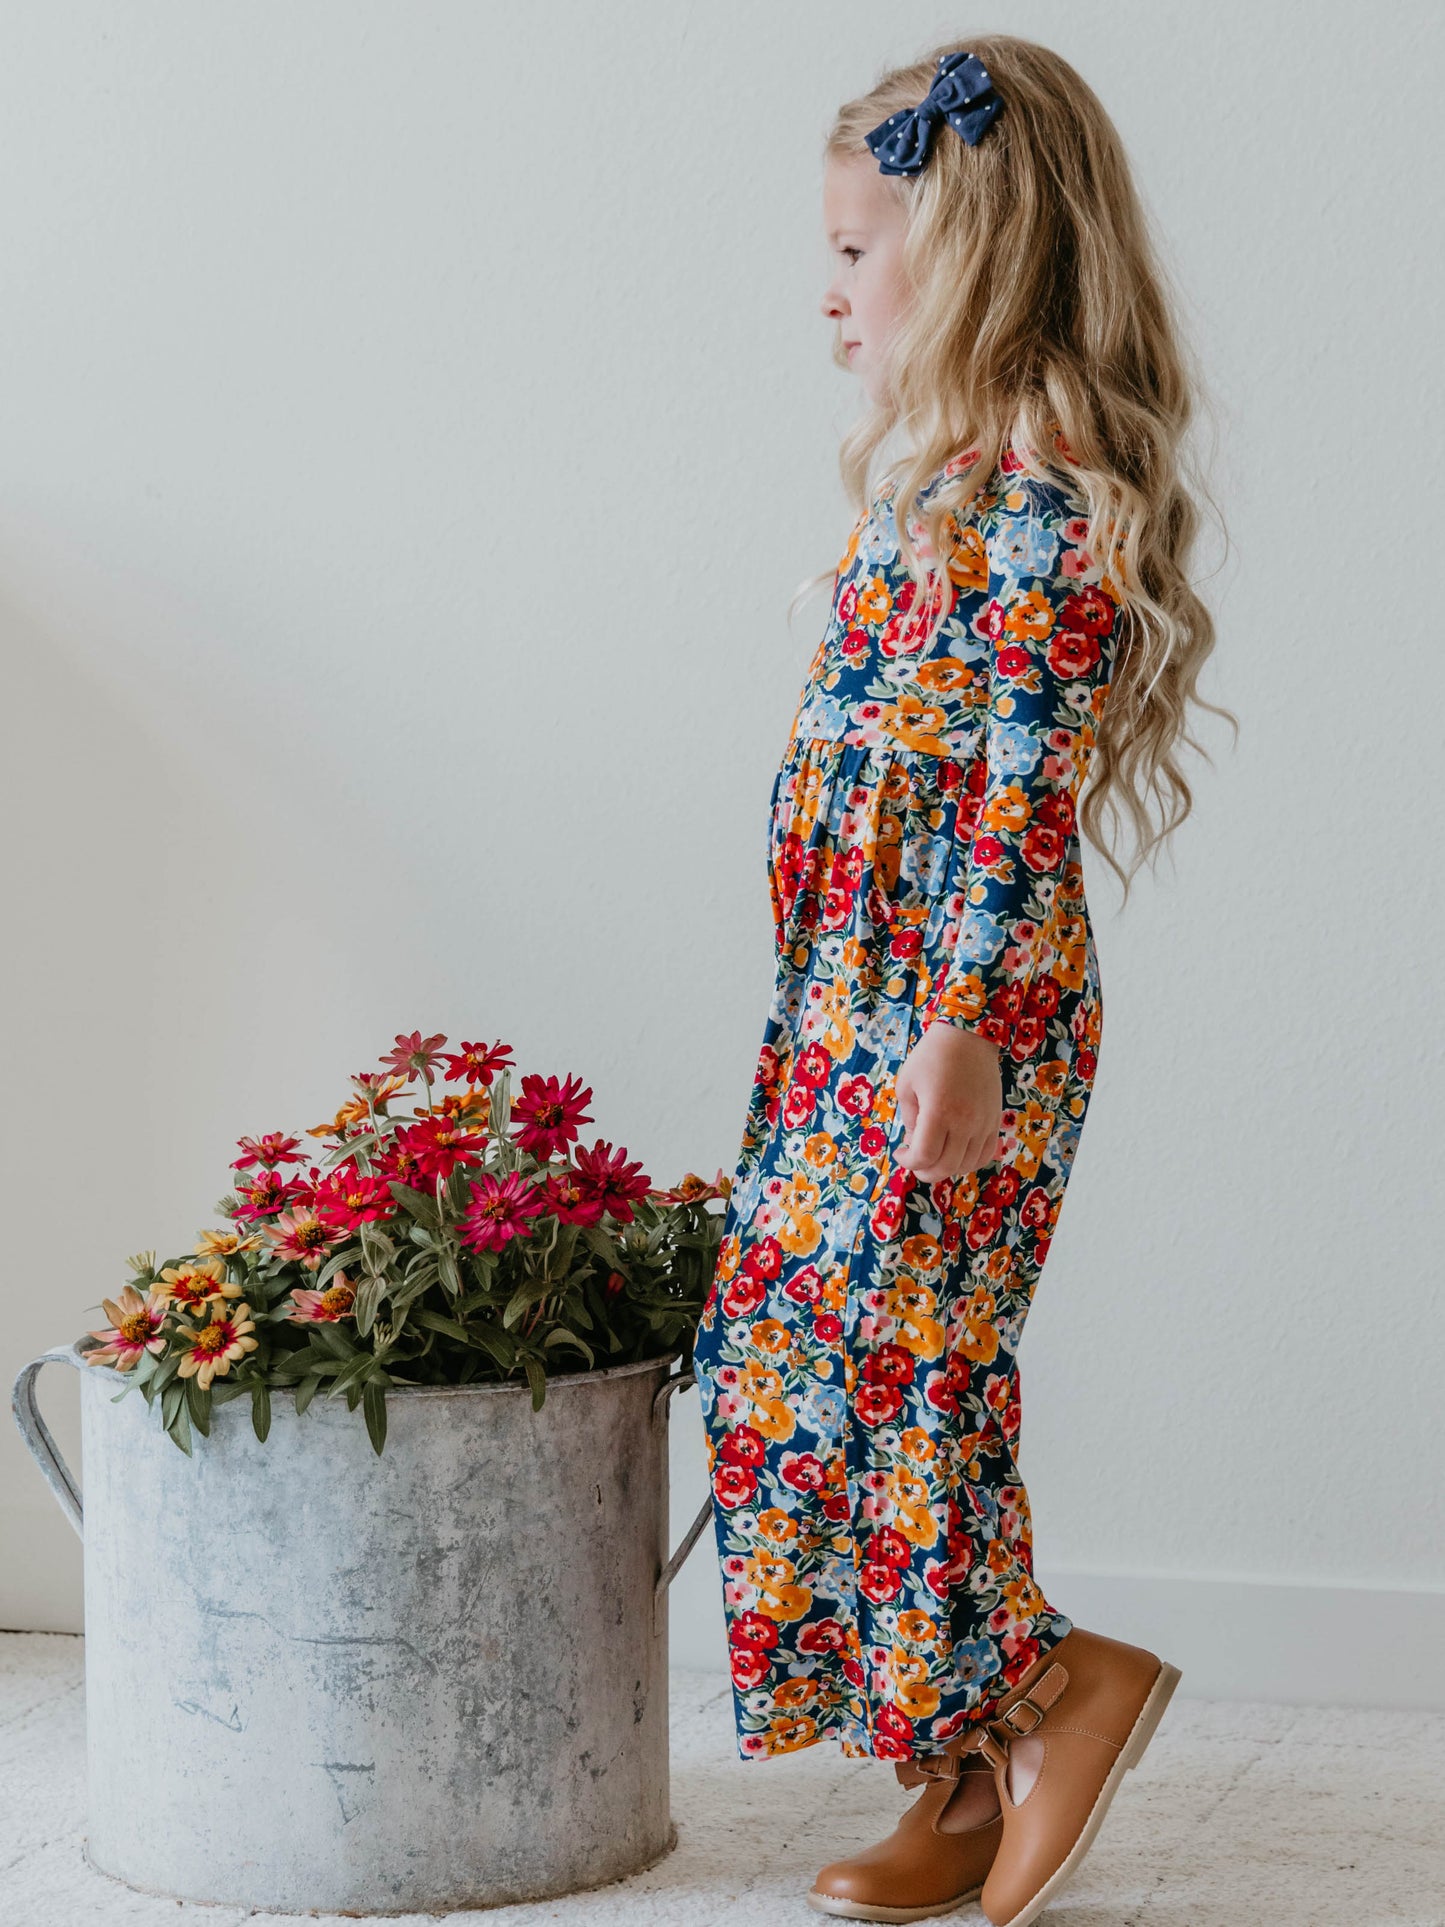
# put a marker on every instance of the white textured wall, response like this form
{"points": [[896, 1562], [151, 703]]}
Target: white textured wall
{"points": [[415, 419]]}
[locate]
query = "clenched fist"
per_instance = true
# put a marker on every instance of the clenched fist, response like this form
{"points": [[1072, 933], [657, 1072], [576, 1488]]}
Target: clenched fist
{"points": [[950, 1097]]}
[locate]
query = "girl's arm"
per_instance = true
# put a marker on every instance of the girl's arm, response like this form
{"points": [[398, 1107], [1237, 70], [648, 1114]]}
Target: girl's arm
{"points": [[1052, 635]]}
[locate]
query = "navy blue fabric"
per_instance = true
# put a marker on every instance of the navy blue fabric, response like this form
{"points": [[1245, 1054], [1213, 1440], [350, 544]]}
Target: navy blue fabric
{"points": [[962, 95]]}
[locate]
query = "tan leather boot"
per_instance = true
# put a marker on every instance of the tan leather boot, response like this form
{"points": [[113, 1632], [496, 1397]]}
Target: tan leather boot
{"points": [[1060, 1742], [934, 1860]]}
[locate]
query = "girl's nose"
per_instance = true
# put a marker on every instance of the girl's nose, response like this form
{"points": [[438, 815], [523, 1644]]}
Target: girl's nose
{"points": [[833, 306]]}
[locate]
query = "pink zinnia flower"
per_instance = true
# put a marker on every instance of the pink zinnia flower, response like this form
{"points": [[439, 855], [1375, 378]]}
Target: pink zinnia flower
{"points": [[501, 1209], [322, 1307], [135, 1328], [270, 1150], [301, 1237], [415, 1055], [606, 1175], [549, 1114]]}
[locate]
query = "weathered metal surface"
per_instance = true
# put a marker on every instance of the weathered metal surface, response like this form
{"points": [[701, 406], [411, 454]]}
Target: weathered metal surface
{"points": [[321, 1679]]}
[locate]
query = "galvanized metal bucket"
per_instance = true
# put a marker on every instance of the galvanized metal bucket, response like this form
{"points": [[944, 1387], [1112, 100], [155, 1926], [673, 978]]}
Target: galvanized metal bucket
{"points": [[319, 1679]]}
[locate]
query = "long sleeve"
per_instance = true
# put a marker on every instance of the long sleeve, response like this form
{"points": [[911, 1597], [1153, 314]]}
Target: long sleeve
{"points": [[1051, 633]]}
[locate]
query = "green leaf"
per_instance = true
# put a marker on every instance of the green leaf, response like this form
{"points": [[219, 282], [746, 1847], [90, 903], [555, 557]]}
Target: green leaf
{"points": [[537, 1379], [368, 1297], [434, 1321], [180, 1428], [416, 1204], [306, 1391], [261, 1409], [374, 1399], [198, 1404], [560, 1337]]}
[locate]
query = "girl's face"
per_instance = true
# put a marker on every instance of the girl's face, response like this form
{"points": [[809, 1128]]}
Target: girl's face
{"points": [[867, 296]]}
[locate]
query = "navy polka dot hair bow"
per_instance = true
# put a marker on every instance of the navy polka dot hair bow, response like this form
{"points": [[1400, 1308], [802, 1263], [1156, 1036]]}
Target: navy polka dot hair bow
{"points": [[962, 94]]}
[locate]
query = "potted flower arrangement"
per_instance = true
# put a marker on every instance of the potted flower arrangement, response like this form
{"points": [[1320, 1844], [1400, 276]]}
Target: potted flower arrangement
{"points": [[448, 1235]]}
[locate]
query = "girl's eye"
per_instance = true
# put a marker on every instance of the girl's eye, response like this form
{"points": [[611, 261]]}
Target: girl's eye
{"points": [[852, 251]]}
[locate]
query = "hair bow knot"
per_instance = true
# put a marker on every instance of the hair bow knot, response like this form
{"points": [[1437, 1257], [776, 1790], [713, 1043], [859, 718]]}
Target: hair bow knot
{"points": [[962, 94]]}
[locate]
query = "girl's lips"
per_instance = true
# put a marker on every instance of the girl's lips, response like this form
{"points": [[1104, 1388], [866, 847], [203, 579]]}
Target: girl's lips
{"points": [[850, 346]]}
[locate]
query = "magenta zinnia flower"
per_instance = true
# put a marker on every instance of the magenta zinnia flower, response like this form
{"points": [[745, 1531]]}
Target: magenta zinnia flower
{"points": [[606, 1175], [549, 1113], [501, 1209], [568, 1201], [267, 1193]]}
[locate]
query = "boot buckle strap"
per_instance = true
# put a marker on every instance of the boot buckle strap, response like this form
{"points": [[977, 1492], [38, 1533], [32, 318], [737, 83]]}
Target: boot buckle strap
{"points": [[1032, 1706]]}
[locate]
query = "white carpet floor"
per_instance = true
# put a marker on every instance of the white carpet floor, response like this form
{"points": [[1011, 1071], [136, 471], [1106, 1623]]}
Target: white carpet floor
{"points": [[1239, 1816]]}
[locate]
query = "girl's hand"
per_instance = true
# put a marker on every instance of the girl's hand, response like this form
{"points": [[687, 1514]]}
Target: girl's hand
{"points": [[950, 1097]]}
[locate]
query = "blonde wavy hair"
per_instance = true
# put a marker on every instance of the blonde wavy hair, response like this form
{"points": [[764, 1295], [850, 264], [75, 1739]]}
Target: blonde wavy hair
{"points": [[1038, 310]]}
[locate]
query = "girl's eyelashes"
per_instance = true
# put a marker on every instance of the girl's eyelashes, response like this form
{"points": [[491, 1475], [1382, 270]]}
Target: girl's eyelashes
{"points": [[853, 251]]}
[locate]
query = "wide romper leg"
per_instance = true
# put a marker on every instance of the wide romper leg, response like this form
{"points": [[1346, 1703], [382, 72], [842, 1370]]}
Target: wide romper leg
{"points": [[856, 1358]]}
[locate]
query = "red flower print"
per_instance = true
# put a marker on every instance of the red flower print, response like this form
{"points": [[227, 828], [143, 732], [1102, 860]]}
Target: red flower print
{"points": [[892, 1735], [889, 1365], [753, 1629], [876, 1404], [744, 1295], [1072, 653], [823, 1636], [743, 1446], [803, 1471], [889, 1548], [749, 1667], [734, 1484], [1088, 609], [878, 1582], [813, 1065], [764, 1258]]}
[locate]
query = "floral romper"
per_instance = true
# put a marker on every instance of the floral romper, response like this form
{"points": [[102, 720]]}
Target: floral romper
{"points": [[855, 1357]]}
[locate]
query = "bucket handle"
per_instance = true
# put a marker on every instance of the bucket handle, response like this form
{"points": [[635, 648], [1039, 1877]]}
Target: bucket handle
{"points": [[36, 1433], [678, 1382], [61, 1480]]}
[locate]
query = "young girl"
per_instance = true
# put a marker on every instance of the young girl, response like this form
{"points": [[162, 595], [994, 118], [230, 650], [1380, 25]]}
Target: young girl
{"points": [[1011, 613]]}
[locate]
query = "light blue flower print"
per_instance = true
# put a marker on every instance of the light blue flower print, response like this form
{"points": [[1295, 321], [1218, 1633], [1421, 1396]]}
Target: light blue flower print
{"points": [[975, 1660], [1023, 546], [820, 1409], [879, 540], [1014, 750], [979, 936], [925, 862], [824, 716]]}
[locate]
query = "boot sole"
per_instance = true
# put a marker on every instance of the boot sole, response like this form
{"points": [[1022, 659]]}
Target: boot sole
{"points": [[865, 1910], [1130, 1754]]}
